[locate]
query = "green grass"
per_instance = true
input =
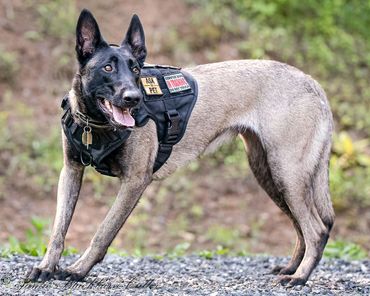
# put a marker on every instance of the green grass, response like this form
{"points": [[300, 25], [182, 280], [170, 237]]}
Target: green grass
{"points": [[344, 250], [35, 242]]}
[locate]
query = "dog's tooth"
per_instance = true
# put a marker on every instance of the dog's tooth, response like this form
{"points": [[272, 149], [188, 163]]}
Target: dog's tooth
{"points": [[108, 105]]}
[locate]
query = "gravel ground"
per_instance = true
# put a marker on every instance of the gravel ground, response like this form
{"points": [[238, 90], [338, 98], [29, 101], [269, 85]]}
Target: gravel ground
{"points": [[190, 275]]}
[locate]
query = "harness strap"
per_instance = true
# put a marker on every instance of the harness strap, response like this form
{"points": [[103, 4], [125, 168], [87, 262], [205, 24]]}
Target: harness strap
{"points": [[171, 134], [164, 152]]}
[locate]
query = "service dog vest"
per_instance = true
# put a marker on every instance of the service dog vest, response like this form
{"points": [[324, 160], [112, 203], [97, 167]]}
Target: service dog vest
{"points": [[169, 96]]}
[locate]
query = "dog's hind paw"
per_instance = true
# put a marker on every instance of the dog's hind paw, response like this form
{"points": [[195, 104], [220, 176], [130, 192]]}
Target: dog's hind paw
{"points": [[39, 275], [65, 275], [276, 269], [283, 270], [290, 280]]}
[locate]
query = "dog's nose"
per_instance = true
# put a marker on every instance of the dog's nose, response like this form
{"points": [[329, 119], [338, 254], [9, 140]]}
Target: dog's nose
{"points": [[132, 97]]}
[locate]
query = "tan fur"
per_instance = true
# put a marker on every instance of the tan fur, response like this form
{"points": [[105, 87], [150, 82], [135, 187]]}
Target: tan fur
{"points": [[284, 118]]}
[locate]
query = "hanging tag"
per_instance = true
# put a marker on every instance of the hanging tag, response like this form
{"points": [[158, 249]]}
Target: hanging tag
{"points": [[87, 137]]}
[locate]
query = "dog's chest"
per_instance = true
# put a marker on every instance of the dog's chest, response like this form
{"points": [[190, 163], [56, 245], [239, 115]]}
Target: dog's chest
{"points": [[169, 97]]}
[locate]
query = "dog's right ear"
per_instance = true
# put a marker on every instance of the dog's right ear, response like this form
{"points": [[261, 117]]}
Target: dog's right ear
{"points": [[88, 37]]}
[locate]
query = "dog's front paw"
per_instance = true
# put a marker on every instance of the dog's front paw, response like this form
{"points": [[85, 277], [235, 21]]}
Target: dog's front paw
{"points": [[69, 275], [39, 275]]}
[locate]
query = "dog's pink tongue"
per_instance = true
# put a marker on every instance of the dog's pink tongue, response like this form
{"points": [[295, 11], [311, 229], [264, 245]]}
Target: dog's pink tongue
{"points": [[123, 117]]}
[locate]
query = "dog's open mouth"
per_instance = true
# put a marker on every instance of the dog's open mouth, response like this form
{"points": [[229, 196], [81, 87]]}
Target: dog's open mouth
{"points": [[121, 116]]}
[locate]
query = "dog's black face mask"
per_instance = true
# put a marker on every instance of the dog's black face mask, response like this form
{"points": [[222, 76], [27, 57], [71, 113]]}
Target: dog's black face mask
{"points": [[110, 74]]}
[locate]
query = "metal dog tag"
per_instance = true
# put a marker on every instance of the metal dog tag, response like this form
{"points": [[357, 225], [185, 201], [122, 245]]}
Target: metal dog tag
{"points": [[87, 136]]}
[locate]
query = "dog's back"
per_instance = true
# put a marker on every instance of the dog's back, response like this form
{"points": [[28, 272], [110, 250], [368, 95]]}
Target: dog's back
{"points": [[277, 101]]}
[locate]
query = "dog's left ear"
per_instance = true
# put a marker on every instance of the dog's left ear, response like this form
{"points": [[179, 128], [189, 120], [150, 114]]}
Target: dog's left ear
{"points": [[135, 39]]}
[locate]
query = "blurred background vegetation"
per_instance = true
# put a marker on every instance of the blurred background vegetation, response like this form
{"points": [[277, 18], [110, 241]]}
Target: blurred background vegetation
{"points": [[215, 202]]}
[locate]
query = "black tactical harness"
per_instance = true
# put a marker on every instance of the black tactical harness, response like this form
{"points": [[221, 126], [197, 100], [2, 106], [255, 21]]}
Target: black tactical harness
{"points": [[170, 111]]}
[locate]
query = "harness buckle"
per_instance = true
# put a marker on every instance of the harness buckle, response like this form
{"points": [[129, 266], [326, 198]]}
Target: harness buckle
{"points": [[173, 126]]}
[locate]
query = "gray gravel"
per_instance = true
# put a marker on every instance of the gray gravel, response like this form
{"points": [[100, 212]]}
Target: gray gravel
{"points": [[190, 275]]}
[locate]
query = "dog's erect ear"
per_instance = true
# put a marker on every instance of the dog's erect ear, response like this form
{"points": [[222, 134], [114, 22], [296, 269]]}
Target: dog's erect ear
{"points": [[135, 39], [88, 37]]}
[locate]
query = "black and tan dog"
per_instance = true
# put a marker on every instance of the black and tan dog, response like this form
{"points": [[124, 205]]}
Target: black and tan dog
{"points": [[281, 114]]}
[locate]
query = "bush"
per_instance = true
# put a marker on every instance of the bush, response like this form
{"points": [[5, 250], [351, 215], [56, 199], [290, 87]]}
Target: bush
{"points": [[329, 39], [57, 18], [8, 66]]}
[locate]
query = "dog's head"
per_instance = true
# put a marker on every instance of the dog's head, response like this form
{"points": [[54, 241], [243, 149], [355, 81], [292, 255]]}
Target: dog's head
{"points": [[109, 75]]}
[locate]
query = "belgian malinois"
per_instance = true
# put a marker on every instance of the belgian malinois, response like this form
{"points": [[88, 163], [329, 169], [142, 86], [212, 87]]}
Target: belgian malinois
{"points": [[281, 114]]}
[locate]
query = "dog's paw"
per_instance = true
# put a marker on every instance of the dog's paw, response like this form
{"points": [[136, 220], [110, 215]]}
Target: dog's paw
{"points": [[69, 275], [39, 275], [290, 280], [276, 269], [283, 270]]}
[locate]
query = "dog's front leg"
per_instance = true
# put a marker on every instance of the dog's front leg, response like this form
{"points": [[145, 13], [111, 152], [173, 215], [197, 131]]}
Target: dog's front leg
{"points": [[128, 196], [68, 190]]}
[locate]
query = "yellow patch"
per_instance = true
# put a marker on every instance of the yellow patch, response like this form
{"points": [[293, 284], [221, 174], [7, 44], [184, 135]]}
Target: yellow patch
{"points": [[151, 86]]}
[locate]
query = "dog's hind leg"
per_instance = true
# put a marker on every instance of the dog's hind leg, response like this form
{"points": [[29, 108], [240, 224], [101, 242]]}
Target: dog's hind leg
{"points": [[259, 165], [311, 206]]}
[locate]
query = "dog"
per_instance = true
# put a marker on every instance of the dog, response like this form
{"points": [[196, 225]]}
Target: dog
{"points": [[281, 114]]}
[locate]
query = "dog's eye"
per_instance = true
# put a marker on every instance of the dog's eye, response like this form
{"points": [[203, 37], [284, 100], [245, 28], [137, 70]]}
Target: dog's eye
{"points": [[108, 68], [136, 70]]}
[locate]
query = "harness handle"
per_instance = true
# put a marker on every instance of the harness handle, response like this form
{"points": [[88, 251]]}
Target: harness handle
{"points": [[89, 161]]}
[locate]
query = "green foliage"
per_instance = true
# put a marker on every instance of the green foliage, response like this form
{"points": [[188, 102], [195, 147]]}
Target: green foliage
{"points": [[115, 251], [329, 39], [222, 235], [344, 250], [178, 251], [349, 172], [9, 66], [27, 154], [230, 154], [57, 18], [210, 254], [35, 242]]}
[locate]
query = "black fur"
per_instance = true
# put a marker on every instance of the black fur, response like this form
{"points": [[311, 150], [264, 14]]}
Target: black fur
{"points": [[94, 83]]}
